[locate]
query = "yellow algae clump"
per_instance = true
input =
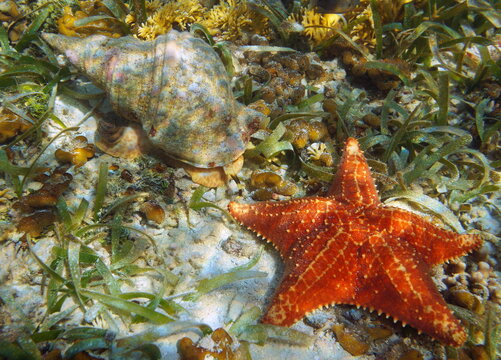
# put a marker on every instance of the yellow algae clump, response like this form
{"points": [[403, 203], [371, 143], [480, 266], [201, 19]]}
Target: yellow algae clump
{"points": [[174, 14], [76, 157], [363, 31], [231, 19], [349, 342], [150, 7], [79, 155], [223, 348], [68, 23], [318, 27], [11, 125], [153, 211], [391, 10]]}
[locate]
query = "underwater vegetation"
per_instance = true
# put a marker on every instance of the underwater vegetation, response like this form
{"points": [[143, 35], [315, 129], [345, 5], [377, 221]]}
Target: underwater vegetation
{"points": [[75, 23], [317, 27], [78, 155], [11, 125], [229, 20], [37, 209], [161, 18], [416, 82]]}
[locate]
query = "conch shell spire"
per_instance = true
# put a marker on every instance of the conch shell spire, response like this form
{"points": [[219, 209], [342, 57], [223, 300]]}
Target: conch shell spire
{"points": [[78, 51]]}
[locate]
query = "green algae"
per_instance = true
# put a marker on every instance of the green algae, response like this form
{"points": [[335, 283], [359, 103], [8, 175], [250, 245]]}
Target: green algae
{"points": [[242, 272]]}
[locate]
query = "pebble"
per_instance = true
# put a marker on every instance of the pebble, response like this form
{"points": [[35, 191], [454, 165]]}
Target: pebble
{"points": [[257, 39], [330, 106], [379, 332], [153, 211], [314, 71], [372, 120], [258, 73], [479, 353], [496, 295], [483, 253], [349, 342], [456, 268], [467, 300], [127, 176], [411, 355], [268, 94], [477, 277], [484, 267]]}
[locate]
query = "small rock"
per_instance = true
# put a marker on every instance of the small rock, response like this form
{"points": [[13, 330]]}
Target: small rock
{"points": [[479, 353], [258, 73], [289, 62], [379, 332], [330, 106], [372, 120], [456, 268], [257, 39], [483, 253], [127, 176], [314, 72], [411, 355], [484, 267], [495, 295], [477, 277], [303, 61], [349, 342], [467, 300], [153, 211], [268, 94]]}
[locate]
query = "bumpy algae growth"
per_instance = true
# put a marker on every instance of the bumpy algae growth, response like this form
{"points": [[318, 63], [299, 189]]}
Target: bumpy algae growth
{"points": [[228, 20], [164, 17], [74, 22], [232, 19], [317, 27]]}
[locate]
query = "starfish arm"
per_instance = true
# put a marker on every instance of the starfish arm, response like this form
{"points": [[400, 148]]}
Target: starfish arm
{"points": [[434, 244], [283, 222], [353, 182], [396, 282], [325, 276]]}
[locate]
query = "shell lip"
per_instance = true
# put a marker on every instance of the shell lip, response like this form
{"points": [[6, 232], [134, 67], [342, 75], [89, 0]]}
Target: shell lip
{"points": [[163, 155]]}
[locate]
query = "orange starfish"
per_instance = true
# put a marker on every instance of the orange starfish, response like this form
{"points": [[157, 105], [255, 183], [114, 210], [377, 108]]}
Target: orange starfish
{"points": [[349, 248]]}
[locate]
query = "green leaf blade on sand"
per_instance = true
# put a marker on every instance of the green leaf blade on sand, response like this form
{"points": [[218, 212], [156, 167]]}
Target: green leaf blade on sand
{"points": [[128, 306]]}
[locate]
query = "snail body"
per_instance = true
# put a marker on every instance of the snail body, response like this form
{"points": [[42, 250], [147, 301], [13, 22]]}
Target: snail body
{"points": [[174, 94]]}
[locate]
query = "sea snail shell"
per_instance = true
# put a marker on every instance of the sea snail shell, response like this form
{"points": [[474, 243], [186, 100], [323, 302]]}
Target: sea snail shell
{"points": [[176, 95]]}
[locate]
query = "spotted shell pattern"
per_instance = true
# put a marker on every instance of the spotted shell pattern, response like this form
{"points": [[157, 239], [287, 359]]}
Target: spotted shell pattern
{"points": [[176, 87]]}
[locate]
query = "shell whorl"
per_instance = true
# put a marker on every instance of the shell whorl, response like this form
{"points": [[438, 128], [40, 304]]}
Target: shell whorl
{"points": [[175, 86]]}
